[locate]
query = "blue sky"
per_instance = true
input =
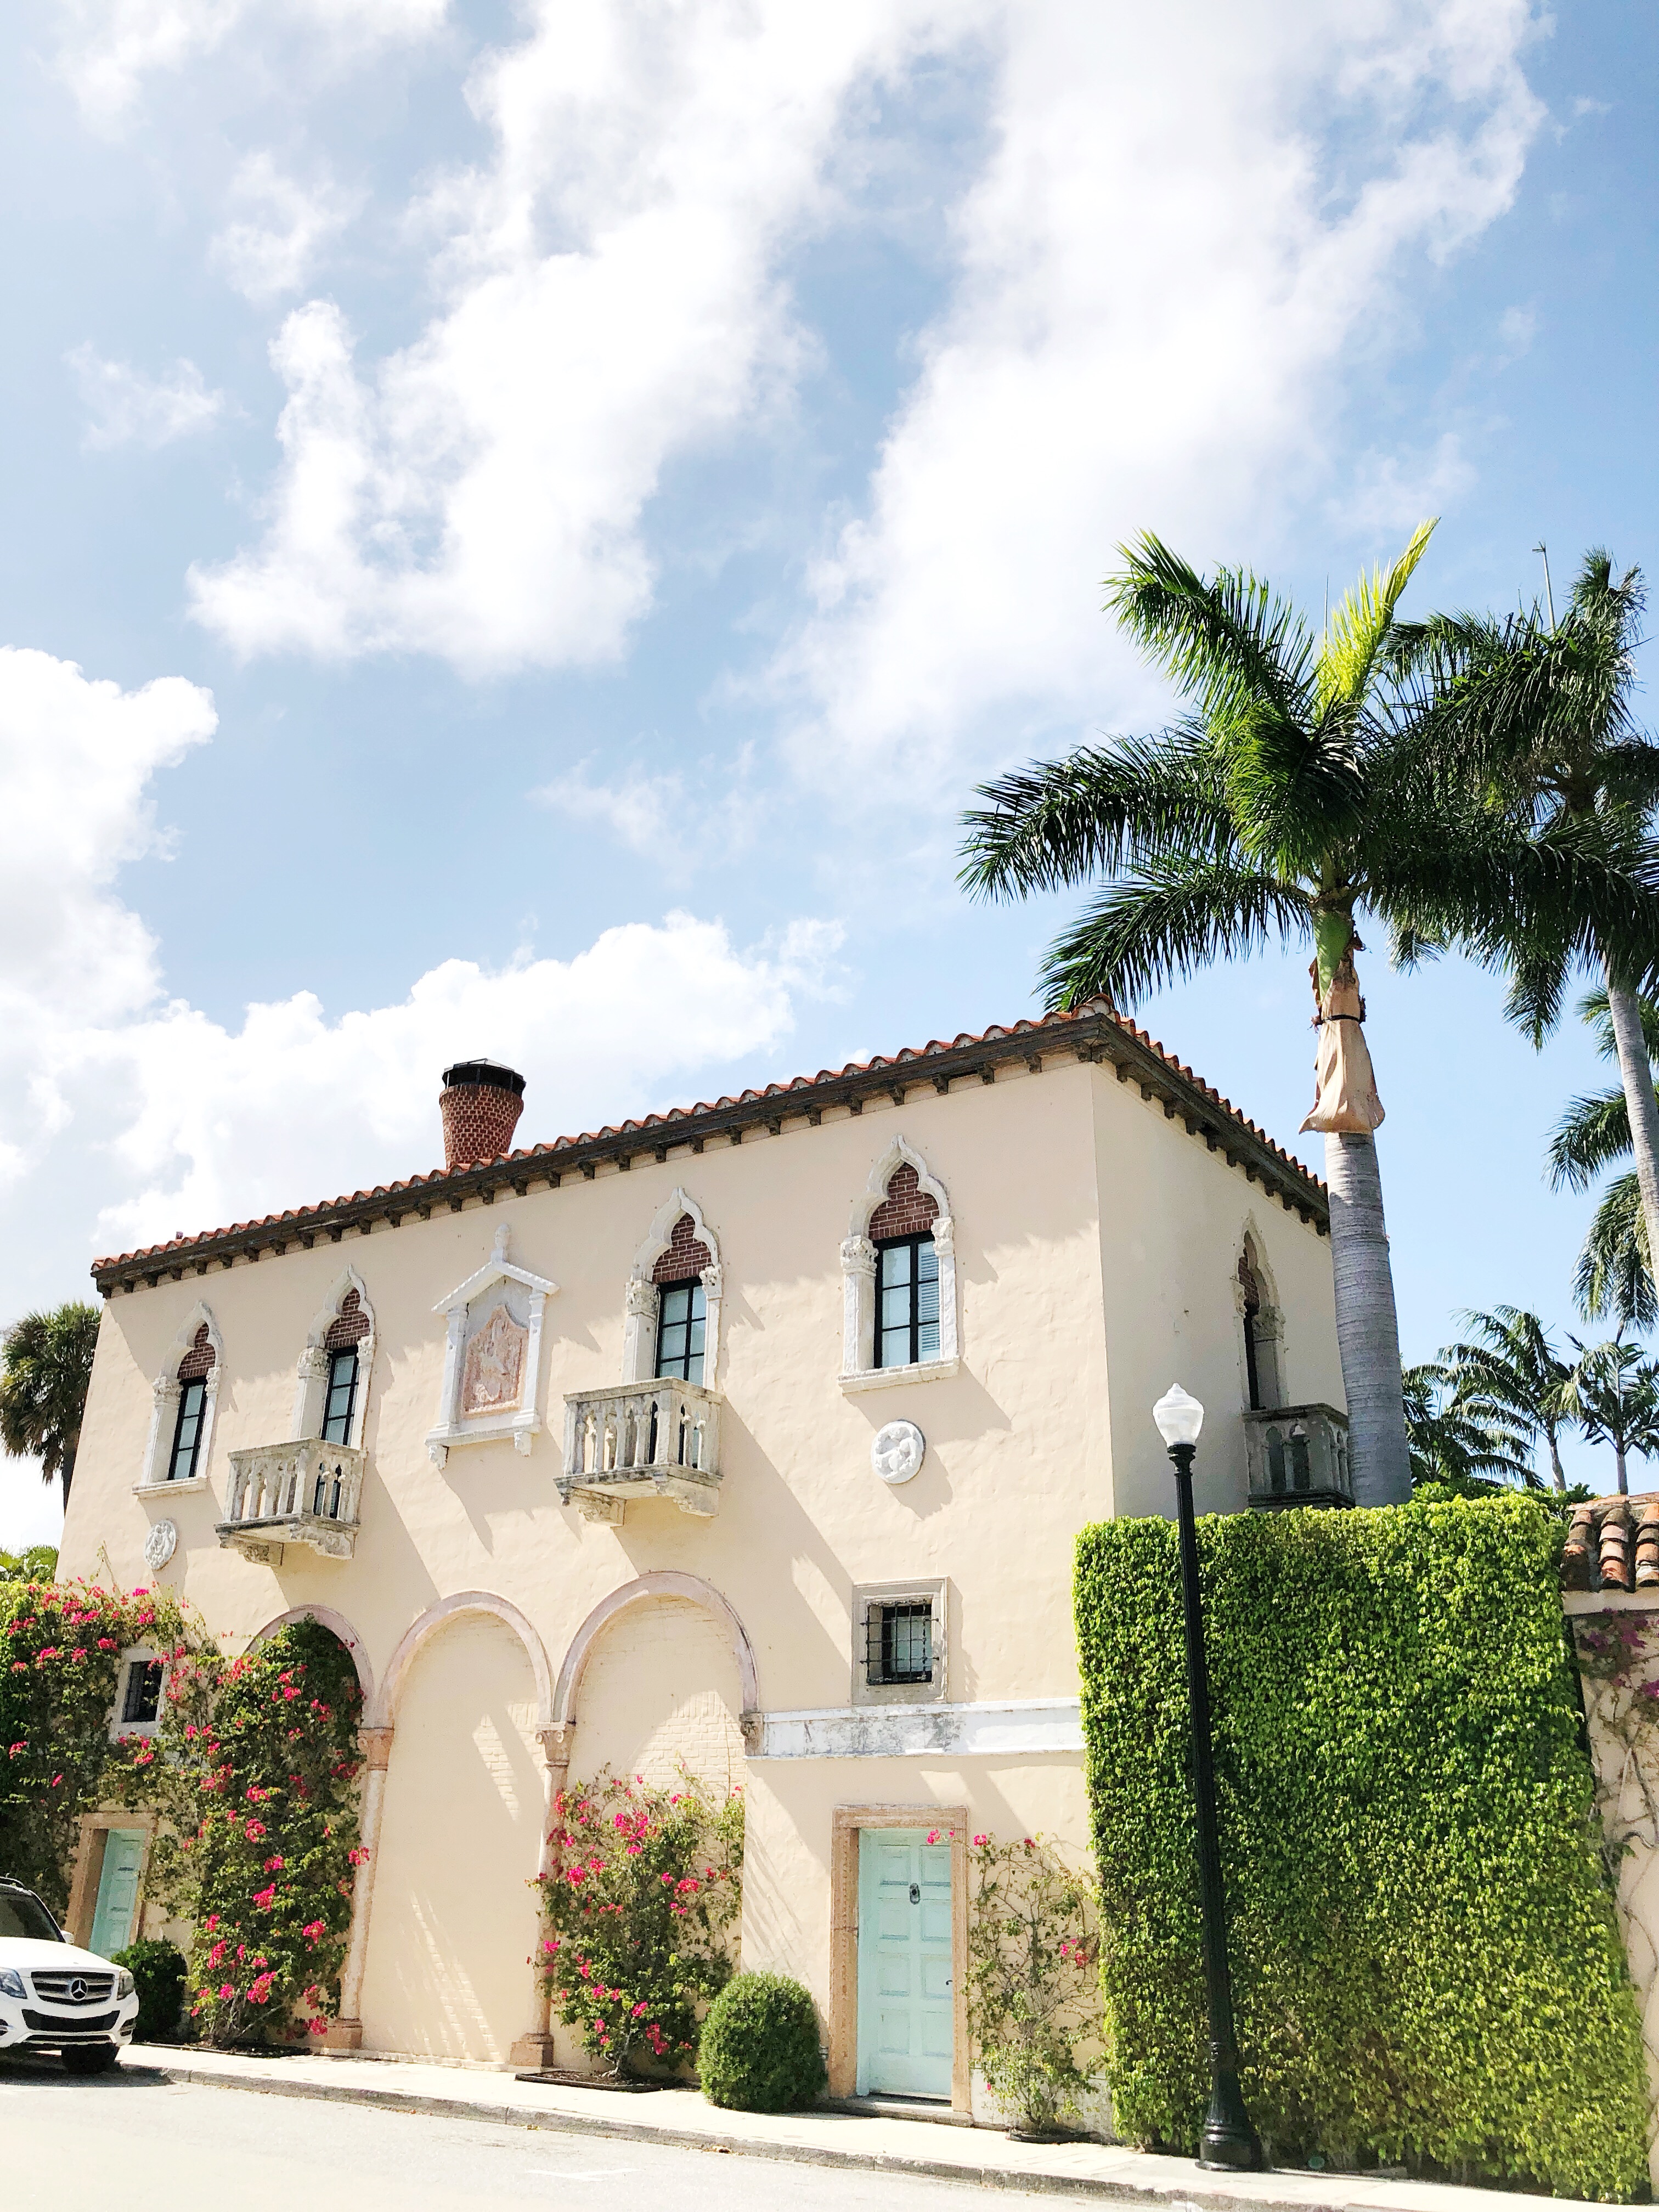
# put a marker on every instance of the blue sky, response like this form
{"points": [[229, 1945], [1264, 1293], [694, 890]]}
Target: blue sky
{"points": [[526, 523]]}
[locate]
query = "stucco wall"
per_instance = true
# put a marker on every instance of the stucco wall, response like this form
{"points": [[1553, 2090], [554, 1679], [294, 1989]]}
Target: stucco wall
{"points": [[1097, 1246]]}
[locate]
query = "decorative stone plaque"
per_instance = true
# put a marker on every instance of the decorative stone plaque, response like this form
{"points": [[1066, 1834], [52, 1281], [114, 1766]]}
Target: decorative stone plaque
{"points": [[492, 1376], [159, 1545], [897, 1451]]}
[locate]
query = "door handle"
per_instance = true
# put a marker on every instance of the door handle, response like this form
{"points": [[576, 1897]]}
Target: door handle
{"points": [[915, 1893]]}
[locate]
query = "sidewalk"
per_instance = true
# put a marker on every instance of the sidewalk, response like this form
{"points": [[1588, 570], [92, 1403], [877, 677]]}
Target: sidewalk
{"points": [[983, 2157]]}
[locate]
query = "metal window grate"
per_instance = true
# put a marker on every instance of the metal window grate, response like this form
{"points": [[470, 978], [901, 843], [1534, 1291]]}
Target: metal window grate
{"points": [[899, 1642]]}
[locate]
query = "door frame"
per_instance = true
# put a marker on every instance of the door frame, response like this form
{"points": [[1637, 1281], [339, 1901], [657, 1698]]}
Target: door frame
{"points": [[90, 1870], [846, 1823]]}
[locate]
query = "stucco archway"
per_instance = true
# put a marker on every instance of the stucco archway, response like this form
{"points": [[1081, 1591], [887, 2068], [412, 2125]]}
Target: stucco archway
{"points": [[338, 1626], [666, 1583], [382, 1712]]}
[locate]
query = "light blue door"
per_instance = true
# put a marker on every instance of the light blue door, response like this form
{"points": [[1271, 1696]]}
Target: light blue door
{"points": [[907, 2009], [117, 1891]]}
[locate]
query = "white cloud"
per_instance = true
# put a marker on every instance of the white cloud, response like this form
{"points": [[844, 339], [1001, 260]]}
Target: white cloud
{"points": [[674, 821], [163, 1117], [1168, 277], [126, 407], [271, 248], [1519, 327], [1389, 494], [109, 47], [611, 300]]}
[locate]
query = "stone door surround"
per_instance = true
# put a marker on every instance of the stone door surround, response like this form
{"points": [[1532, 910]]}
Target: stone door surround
{"points": [[845, 1825]]}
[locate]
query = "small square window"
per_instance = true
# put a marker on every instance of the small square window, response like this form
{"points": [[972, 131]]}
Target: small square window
{"points": [[899, 1655]]}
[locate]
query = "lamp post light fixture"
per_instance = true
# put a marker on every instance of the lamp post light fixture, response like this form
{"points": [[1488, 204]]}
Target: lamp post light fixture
{"points": [[1228, 2142]]}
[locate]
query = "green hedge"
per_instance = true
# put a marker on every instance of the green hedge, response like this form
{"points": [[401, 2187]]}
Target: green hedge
{"points": [[1425, 1960]]}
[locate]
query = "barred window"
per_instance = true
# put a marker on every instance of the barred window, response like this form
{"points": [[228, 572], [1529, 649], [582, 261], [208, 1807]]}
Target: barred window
{"points": [[141, 1699], [900, 1643], [907, 1302]]}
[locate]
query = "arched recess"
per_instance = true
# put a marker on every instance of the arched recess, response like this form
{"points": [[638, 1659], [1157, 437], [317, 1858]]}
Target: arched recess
{"points": [[664, 1584], [1260, 1322], [641, 1300], [338, 1626], [311, 1380], [383, 1711], [858, 1262], [165, 1390]]}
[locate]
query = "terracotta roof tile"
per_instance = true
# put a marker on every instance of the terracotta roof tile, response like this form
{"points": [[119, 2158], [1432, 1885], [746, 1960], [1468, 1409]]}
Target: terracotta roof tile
{"points": [[153, 1259]]}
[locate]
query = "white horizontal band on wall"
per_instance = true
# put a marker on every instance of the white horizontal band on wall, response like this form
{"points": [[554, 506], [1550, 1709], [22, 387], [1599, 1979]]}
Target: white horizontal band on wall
{"points": [[976, 1731]]}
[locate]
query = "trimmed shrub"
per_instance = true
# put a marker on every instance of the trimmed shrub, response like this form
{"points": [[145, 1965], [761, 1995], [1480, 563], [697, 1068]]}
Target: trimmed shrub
{"points": [[158, 1968], [760, 2050], [1425, 1958]]}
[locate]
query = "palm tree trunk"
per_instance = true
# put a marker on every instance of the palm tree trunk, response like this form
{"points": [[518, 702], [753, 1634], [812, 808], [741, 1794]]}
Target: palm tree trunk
{"points": [[1367, 1330], [1636, 1072], [1556, 1467], [1624, 1473]]}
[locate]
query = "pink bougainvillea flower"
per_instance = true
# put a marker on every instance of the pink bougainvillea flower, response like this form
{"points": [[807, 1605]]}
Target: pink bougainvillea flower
{"points": [[272, 1864], [312, 1930], [227, 1991], [266, 1898], [254, 1829], [981, 1840]]}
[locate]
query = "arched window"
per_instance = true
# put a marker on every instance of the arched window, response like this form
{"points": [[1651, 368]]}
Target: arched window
{"points": [[907, 1271], [330, 1395], [190, 1425], [180, 1441], [682, 1302], [1262, 1381], [899, 1276], [346, 1332]]}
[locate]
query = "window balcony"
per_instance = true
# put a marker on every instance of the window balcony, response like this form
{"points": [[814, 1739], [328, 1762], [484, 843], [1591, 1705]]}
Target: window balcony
{"points": [[659, 1439], [1298, 1456], [293, 1494]]}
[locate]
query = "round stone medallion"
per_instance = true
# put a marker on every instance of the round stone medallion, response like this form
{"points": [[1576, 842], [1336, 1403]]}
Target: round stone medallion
{"points": [[159, 1545], [897, 1451]]}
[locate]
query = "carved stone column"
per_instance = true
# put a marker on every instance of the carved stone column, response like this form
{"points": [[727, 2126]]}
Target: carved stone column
{"points": [[534, 2049], [346, 2034]]}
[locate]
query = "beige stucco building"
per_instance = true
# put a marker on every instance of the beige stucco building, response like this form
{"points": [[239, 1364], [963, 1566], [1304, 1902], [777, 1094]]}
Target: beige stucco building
{"points": [[756, 1435]]}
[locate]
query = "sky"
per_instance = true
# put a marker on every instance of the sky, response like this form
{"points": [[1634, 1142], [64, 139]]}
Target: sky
{"points": [[526, 524]]}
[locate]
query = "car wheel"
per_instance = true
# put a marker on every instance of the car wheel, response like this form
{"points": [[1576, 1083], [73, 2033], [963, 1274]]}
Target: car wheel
{"points": [[90, 2058]]}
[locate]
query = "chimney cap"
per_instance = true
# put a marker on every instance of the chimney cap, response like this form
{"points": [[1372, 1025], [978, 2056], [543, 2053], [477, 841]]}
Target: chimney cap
{"points": [[486, 1074]]}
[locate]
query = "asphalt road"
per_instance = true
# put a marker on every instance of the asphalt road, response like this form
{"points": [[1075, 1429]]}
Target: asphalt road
{"points": [[123, 2143]]}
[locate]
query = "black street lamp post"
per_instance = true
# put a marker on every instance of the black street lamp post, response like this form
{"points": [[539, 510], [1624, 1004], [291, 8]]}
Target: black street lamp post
{"points": [[1228, 2141]]}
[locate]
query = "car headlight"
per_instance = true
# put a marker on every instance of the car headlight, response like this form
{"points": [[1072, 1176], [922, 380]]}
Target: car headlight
{"points": [[11, 1982], [124, 1985]]}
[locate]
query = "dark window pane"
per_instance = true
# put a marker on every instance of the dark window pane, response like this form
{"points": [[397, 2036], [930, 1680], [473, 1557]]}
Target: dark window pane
{"points": [[342, 1397], [901, 1642], [907, 1302], [142, 1700], [680, 1322], [187, 1435]]}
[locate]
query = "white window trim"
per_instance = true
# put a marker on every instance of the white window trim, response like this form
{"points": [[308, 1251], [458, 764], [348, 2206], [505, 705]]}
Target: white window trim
{"points": [[858, 1270], [139, 1654], [641, 1302], [524, 1421], [866, 1596], [164, 1410], [311, 1384]]}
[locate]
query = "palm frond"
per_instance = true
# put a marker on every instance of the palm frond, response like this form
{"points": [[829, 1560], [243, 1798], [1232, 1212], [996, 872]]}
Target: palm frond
{"points": [[1595, 1013], [1613, 1279], [1171, 918], [1058, 822], [1349, 655], [1593, 1132], [1223, 643]]}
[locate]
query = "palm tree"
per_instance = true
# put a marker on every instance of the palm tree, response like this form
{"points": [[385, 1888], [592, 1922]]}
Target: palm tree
{"points": [[1290, 799], [46, 1365], [1510, 1374], [1615, 1393], [1614, 1279], [1452, 1440], [1541, 710]]}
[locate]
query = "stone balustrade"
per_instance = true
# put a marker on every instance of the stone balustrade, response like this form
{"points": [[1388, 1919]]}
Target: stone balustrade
{"points": [[1298, 1456], [637, 1440], [304, 1492]]}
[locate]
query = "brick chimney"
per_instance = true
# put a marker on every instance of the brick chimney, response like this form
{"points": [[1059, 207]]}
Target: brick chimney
{"points": [[481, 1102]]}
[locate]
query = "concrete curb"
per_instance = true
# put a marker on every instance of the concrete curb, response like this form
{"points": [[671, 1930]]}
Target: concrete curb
{"points": [[1185, 2192]]}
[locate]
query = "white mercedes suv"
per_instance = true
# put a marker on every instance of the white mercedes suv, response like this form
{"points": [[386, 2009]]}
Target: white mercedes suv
{"points": [[54, 1996]]}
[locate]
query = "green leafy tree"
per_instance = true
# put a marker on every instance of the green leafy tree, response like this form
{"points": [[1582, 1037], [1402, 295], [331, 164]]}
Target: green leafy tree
{"points": [[1614, 1279], [46, 1365], [1541, 713], [1508, 1374], [1613, 1392], [1467, 1447], [1295, 796], [36, 1563]]}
